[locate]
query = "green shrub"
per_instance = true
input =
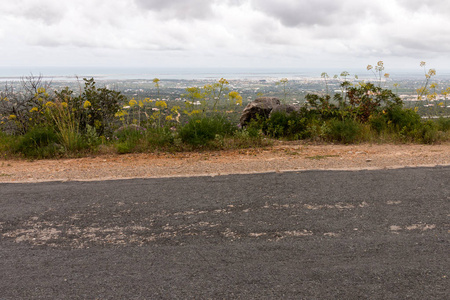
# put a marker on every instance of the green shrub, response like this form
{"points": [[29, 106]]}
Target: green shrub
{"points": [[378, 123], [128, 137], [24, 109], [200, 130], [251, 131], [91, 138], [281, 124], [443, 124], [6, 142], [402, 119], [38, 142], [343, 131], [323, 106], [160, 137], [427, 132], [366, 100], [95, 106], [125, 147]]}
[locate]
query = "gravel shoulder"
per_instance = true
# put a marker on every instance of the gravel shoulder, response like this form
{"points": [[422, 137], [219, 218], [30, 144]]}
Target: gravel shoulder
{"points": [[283, 156]]}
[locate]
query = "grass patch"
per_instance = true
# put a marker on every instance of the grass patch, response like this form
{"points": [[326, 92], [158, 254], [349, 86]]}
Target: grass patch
{"points": [[318, 157]]}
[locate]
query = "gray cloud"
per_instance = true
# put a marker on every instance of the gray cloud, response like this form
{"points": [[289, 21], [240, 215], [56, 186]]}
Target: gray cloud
{"points": [[301, 13], [182, 9], [436, 6], [298, 13], [45, 11]]}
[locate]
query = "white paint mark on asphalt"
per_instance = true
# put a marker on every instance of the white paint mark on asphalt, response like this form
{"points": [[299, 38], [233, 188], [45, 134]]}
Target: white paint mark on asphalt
{"points": [[331, 234], [419, 226], [257, 234], [393, 202]]}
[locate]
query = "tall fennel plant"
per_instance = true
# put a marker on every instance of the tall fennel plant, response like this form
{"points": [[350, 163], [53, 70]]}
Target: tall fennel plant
{"points": [[67, 126]]}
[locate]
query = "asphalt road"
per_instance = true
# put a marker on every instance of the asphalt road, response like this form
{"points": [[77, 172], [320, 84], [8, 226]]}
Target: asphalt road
{"points": [[297, 235]]}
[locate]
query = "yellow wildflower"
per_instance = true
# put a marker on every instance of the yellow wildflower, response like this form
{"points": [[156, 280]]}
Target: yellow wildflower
{"points": [[34, 109], [41, 90], [175, 109], [141, 104], [161, 104], [12, 117], [64, 104], [87, 104], [169, 118], [97, 124], [223, 81], [132, 102], [49, 104], [121, 113], [235, 98]]}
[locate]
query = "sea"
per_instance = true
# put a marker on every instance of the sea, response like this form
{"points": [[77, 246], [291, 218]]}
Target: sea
{"points": [[121, 73]]}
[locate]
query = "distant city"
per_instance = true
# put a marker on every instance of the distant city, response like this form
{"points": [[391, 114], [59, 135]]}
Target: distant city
{"points": [[250, 83]]}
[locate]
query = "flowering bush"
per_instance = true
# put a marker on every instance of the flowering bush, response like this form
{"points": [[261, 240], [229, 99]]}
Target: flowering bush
{"points": [[19, 112]]}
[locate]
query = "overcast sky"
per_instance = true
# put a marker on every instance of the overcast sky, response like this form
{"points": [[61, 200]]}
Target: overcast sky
{"points": [[225, 33]]}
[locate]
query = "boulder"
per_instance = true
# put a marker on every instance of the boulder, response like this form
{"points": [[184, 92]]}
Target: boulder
{"points": [[260, 106], [286, 108]]}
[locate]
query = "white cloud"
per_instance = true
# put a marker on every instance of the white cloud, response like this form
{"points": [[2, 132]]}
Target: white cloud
{"points": [[222, 33]]}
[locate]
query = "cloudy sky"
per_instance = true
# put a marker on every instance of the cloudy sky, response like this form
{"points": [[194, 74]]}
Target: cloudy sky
{"points": [[225, 33]]}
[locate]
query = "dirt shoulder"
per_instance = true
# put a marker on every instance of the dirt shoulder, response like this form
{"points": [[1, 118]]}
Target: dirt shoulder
{"points": [[283, 156]]}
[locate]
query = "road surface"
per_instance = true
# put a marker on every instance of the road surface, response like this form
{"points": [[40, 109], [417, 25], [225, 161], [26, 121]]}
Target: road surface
{"points": [[296, 235]]}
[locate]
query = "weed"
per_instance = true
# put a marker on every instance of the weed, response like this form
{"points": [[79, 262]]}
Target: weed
{"points": [[201, 130], [402, 119], [367, 99], [443, 124], [292, 126], [38, 142], [161, 138], [67, 126], [378, 122], [318, 157], [378, 71], [283, 82], [344, 131], [128, 138]]}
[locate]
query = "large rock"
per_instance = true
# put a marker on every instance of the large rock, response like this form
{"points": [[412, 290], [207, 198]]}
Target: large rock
{"points": [[259, 107], [286, 108]]}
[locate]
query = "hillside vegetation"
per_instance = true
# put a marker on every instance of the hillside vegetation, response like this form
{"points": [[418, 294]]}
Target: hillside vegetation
{"points": [[36, 122]]}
